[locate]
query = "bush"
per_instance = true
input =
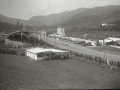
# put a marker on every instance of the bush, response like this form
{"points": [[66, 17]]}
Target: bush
{"points": [[8, 51]]}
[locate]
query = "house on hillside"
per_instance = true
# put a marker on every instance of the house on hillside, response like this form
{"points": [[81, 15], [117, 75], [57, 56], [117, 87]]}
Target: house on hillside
{"points": [[18, 38]]}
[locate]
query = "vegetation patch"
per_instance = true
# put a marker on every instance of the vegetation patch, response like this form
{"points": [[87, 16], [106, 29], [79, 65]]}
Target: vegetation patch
{"points": [[18, 72]]}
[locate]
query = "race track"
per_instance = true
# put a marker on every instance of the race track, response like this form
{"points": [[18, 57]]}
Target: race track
{"points": [[81, 49]]}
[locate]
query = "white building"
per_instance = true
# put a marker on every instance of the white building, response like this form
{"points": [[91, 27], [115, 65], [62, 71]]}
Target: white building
{"points": [[114, 38], [33, 53], [93, 43], [109, 40], [60, 31], [43, 33], [105, 41], [105, 24]]}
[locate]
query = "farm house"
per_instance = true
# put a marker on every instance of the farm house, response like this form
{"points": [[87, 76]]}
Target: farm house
{"points": [[46, 54]]}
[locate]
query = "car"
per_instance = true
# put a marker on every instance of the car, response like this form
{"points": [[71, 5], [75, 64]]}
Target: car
{"points": [[66, 44]]}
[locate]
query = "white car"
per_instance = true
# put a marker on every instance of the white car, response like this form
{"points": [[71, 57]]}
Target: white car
{"points": [[66, 44]]}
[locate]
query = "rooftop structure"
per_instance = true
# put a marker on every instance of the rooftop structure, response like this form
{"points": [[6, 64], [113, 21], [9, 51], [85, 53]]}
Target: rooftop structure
{"points": [[33, 53], [60, 31]]}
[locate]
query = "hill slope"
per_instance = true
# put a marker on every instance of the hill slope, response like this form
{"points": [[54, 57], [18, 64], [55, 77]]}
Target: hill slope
{"points": [[95, 15], [55, 19], [81, 16], [84, 16], [14, 21]]}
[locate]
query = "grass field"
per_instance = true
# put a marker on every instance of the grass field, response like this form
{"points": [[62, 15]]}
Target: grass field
{"points": [[20, 73], [91, 34]]}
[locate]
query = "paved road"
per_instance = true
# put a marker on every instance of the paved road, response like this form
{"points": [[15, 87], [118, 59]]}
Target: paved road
{"points": [[81, 49]]}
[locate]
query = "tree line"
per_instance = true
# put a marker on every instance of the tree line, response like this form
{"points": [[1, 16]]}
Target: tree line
{"points": [[7, 27], [99, 27]]}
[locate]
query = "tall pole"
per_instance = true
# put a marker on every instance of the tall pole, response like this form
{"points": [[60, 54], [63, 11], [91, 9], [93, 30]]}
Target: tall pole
{"points": [[55, 42], [45, 35], [117, 16], [104, 45], [4, 35], [50, 55], [45, 39]]}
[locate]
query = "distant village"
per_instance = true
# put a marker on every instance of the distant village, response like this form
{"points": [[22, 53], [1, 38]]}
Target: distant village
{"points": [[41, 45], [59, 34]]}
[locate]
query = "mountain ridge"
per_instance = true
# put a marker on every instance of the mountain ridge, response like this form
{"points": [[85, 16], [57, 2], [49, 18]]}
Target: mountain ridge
{"points": [[53, 19], [14, 21], [74, 17]]}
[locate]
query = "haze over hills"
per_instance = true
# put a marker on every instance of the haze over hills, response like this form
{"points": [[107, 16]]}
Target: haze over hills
{"points": [[81, 16], [95, 15], [55, 19], [14, 21]]}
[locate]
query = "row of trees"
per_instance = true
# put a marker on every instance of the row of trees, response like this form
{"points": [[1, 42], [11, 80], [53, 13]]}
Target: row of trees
{"points": [[4, 26], [99, 27]]}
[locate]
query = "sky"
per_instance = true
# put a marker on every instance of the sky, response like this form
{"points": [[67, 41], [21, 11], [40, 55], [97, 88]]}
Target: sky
{"points": [[25, 9]]}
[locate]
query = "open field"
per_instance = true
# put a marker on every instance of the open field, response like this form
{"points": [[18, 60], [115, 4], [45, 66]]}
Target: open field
{"points": [[20, 73], [91, 34]]}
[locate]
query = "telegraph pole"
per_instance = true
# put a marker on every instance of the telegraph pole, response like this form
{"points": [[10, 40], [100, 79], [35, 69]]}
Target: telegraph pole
{"points": [[45, 35], [55, 41], [104, 45]]}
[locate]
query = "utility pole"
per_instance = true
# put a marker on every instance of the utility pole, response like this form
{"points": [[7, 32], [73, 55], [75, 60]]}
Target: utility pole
{"points": [[40, 37], [50, 55], [55, 41], [104, 45], [45, 35], [117, 15]]}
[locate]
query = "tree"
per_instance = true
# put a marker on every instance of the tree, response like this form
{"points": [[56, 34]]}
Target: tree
{"points": [[21, 25], [17, 23]]}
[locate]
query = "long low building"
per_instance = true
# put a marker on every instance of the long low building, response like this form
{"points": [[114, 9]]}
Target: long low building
{"points": [[33, 53]]}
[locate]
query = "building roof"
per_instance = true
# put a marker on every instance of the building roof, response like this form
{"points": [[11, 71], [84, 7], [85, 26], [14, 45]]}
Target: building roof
{"points": [[40, 50]]}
